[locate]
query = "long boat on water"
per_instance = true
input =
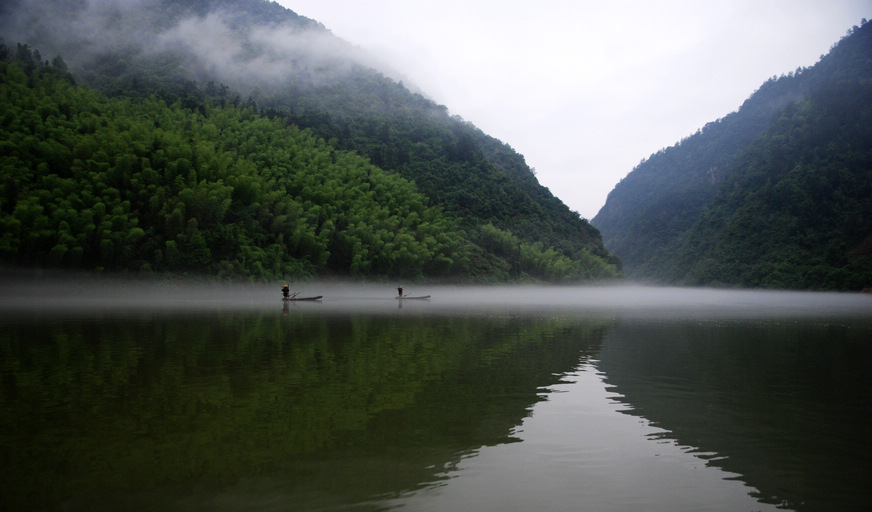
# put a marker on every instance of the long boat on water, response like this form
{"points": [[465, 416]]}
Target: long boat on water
{"points": [[295, 298], [412, 297]]}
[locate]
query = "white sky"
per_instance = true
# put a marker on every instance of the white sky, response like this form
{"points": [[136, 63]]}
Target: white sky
{"points": [[586, 89]]}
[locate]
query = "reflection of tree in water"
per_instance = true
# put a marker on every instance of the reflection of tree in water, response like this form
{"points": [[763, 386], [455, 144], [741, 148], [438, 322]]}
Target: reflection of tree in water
{"points": [[786, 406], [214, 401]]}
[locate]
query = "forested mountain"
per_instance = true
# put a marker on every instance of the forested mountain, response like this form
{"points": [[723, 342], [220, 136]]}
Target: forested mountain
{"points": [[236, 137], [777, 194]]}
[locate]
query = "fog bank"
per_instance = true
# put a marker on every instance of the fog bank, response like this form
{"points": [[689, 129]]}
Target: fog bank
{"points": [[98, 295]]}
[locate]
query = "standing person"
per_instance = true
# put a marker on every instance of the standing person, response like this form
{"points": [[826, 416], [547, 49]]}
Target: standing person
{"points": [[285, 291], [400, 291]]}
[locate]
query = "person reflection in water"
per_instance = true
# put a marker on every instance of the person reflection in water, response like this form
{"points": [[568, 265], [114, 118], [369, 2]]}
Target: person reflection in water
{"points": [[285, 291], [400, 291]]}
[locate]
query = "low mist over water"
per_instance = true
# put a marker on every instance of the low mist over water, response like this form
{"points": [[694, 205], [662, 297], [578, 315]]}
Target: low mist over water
{"points": [[149, 395], [71, 295]]}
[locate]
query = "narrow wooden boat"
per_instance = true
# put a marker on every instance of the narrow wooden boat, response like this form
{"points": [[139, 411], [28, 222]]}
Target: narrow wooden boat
{"points": [[411, 297], [293, 299]]}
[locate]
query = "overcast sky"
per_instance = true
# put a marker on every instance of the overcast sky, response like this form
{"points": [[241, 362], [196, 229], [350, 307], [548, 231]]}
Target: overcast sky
{"points": [[586, 89]]}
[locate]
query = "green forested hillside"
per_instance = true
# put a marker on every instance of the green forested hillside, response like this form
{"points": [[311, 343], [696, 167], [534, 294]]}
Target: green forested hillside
{"points": [[771, 195], [139, 184], [797, 213], [391, 184], [121, 184]]}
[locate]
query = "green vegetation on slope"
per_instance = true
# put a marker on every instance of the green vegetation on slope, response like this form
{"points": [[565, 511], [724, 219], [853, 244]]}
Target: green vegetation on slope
{"points": [[121, 184], [455, 164], [194, 186], [798, 212], [770, 195]]}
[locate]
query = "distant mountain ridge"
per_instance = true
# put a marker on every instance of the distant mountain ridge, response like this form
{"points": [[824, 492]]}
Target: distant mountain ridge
{"points": [[676, 217], [215, 57]]}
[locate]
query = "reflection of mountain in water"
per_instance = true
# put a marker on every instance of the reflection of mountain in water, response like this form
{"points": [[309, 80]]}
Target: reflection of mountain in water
{"points": [[784, 405], [305, 410]]}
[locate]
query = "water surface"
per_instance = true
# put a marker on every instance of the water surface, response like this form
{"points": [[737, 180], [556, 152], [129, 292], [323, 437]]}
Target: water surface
{"points": [[162, 396]]}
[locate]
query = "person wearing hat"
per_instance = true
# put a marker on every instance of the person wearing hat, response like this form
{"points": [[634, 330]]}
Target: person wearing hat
{"points": [[285, 291]]}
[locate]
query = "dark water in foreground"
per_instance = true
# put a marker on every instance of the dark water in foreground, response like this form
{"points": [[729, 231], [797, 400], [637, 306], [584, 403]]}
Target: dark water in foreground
{"points": [[478, 399]]}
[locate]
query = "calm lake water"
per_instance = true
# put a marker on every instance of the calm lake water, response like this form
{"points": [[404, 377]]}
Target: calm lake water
{"points": [[166, 397]]}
